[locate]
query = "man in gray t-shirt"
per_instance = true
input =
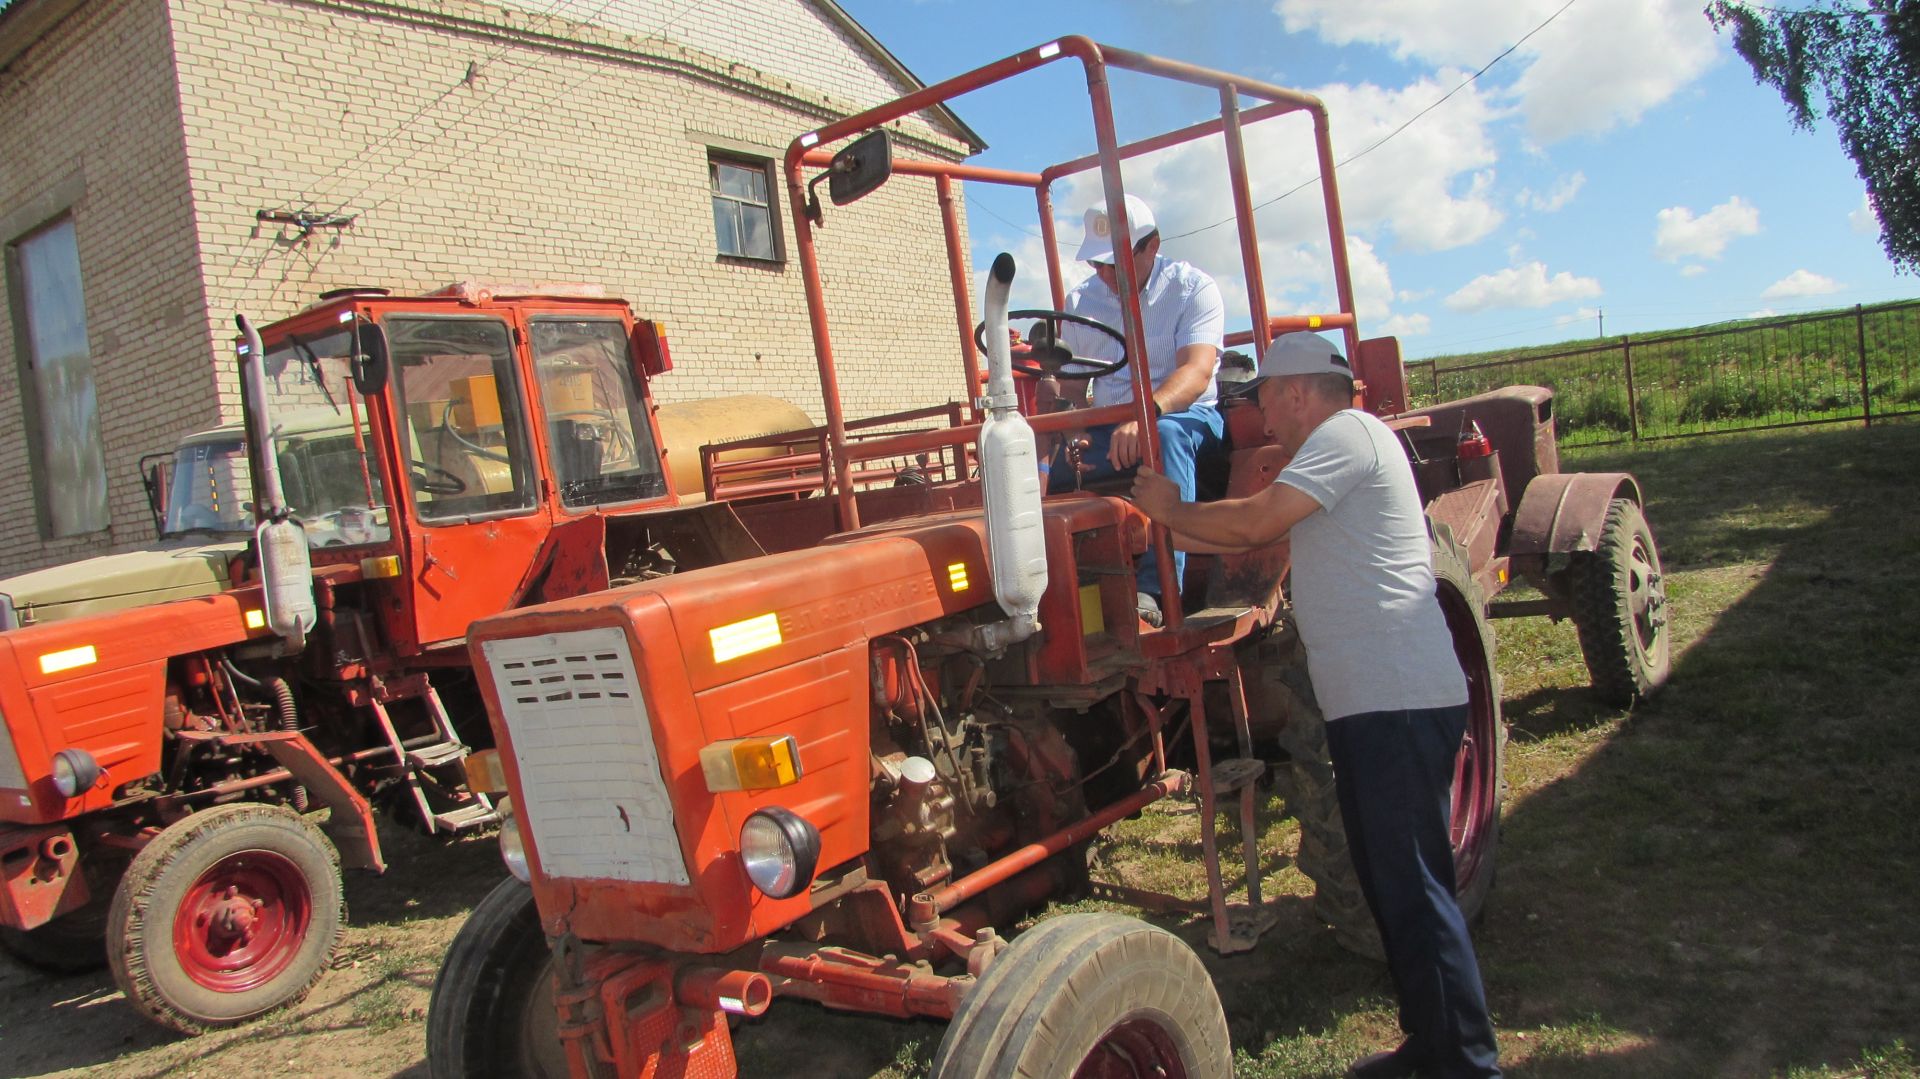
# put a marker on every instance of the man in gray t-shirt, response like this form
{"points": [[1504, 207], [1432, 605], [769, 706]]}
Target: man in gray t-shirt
{"points": [[1383, 668]]}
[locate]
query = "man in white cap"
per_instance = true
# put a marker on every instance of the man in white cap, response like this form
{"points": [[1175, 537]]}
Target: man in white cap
{"points": [[1363, 590], [1183, 321]]}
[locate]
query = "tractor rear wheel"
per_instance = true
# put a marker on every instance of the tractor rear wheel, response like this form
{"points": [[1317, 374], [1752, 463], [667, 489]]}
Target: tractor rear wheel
{"points": [[492, 1012], [1089, 996], [1479, 780], [226, 915], [1620, 608]]}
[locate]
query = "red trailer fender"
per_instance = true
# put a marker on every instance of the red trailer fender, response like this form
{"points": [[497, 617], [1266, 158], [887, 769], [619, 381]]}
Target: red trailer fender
{"points": [[1563, 512]]}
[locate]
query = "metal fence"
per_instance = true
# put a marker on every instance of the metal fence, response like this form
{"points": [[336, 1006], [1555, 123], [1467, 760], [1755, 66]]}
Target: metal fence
{"points": [[1839, 366]]}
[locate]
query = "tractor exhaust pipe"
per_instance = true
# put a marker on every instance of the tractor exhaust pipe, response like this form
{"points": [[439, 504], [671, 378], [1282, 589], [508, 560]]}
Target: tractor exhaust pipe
{"points": [[1009, 479], [286, 569]]}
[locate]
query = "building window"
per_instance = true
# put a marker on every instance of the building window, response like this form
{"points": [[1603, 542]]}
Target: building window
{"points": [[743, 222], [57, 381]]}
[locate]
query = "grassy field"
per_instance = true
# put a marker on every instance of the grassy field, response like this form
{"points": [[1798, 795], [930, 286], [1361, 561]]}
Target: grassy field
{"points": [[1726, 376], [1721, 883]]}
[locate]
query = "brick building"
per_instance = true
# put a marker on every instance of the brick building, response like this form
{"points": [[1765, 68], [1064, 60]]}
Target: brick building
{"points": [[627, 143]]}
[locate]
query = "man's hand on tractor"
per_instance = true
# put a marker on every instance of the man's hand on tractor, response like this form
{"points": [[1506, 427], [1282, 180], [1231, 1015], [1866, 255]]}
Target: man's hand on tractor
{"points": [[1155, 494], [1123, 450]]}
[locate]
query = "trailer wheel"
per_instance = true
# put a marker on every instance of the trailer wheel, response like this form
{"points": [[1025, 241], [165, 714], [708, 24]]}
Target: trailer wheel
{"points": [[70, 944], [492, 1012], [1620, 608], [224, 916], [1479, 780], [1093, 996]]}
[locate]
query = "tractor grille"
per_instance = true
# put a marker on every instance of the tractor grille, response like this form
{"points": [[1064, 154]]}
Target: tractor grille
{"points": [[591, 790]]}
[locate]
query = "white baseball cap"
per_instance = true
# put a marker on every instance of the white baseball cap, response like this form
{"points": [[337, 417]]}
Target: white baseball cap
{"points": [[1097, 246], [1296, 353]]}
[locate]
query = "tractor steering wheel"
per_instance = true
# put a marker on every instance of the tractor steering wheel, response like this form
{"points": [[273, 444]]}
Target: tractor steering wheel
{"points": [[1052, 358], [434, 480]]}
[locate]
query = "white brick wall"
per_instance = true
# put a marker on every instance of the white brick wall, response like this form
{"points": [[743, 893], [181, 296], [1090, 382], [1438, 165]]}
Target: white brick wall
{"points": [[579, 154]]}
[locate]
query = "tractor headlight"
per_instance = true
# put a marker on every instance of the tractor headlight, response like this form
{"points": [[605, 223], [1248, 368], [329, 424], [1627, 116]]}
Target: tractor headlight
{"points": [[780, 850], [74, 772], [513, 849]]}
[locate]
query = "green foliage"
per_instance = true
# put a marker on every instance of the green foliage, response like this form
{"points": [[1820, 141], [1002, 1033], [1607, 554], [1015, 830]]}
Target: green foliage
{"points": [[1864, 63]]}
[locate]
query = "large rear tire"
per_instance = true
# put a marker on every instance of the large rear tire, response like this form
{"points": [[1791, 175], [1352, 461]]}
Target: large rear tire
{"points": [[1620, 608], [1090, 996], [492, 1012], [226, 915], [1479, 781]]}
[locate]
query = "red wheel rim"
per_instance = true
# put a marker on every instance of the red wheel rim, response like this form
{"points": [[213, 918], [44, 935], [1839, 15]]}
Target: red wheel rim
{"points": [[1475, 786], [1134, 1048], [242, 921]]}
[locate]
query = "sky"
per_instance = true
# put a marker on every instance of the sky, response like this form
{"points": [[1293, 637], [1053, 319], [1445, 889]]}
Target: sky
{"points": [[1619, 169]]}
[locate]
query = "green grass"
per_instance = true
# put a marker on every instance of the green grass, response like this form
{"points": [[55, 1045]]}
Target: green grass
{"points": [[1721, 882], [1727, 376]]}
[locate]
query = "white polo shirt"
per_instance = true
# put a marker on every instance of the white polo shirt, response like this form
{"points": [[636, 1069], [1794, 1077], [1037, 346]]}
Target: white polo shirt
{"points": [[1362, 581], [1180, 307]]}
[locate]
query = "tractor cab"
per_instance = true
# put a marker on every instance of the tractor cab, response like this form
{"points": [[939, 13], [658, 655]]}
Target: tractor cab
{"points": [[433, 440]]}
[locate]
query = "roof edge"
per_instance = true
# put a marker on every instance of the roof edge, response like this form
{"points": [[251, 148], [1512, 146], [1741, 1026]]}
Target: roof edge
{"points": [[25, 22], [892, 63]]}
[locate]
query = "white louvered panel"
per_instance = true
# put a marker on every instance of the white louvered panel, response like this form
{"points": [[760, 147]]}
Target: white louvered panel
{"points": [[10, 773], [594, 798]]}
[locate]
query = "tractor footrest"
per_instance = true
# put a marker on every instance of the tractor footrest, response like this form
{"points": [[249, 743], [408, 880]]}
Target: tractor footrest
{"points": [[1234, 773], [1245, 924], [437, 755], [472, 815]]}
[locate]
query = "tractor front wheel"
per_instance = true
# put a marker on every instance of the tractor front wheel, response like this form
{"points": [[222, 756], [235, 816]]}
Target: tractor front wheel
{"points": [[1620, 608], [224, 916], [1090, 996], [492, 1012]]}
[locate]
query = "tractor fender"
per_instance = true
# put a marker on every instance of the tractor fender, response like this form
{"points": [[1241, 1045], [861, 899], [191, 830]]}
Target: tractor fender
{"points": [[1563, 512]]}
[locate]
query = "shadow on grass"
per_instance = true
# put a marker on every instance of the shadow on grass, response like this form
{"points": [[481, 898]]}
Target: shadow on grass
{"points": [[1725, 885]]}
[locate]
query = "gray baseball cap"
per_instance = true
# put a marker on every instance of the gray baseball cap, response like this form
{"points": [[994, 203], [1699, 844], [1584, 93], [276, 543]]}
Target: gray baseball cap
{"points": [[1296, 353]]}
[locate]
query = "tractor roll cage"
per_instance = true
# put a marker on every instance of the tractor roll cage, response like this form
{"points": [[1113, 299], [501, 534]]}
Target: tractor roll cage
{"points": [[811, 149]]}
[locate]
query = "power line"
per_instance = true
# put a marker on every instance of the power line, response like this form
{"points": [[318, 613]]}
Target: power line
{"points": [[1384, 139], [482, 102], [474, 68], [536, 110]]}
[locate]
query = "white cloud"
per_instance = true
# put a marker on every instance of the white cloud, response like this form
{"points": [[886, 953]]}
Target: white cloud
{"points": [[1800, 283], [1864, 221], [1555, 198], [1597, 65], [1764, 312], [1692, 269], [1521, 286], [1403, 326], [1678, 234], [1584, 314]]}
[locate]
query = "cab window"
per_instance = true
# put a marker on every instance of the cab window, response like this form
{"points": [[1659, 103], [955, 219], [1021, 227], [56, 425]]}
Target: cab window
{"points": [[597, 422], [459, 402]]}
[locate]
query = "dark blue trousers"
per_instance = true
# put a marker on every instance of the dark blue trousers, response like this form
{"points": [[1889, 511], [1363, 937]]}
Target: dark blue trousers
{"points": [[1393, 772], [1184, 436]]}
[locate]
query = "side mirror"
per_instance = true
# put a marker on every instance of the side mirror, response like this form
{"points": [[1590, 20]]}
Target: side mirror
{"points": [[650, 346], [369, 365], [860, 168], [156, 470]]}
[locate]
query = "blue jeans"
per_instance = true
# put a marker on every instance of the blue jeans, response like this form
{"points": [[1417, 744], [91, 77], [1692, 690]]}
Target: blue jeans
{"points": [[1184, 436], [1393, 772]]}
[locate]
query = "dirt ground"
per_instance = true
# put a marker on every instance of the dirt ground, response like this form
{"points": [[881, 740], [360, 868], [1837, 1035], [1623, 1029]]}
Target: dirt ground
{"points": [[365, 1019]]}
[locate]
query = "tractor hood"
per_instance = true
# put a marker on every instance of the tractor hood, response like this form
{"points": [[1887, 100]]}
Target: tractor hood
{"points": [[176, 569]]}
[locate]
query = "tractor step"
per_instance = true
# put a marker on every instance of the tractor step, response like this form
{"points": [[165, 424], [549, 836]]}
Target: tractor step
{"points": [[436, 755], [472, 815], [1236, 772]]}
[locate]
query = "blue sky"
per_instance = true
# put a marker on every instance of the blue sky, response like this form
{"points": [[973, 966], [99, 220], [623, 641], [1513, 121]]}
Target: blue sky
{"points": [[1620, 161]]}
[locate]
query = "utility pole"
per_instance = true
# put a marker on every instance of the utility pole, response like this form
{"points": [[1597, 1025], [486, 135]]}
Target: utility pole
{"points": [[1601, 313]]}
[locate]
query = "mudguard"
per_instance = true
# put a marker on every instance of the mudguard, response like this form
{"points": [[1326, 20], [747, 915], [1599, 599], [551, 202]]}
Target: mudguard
{"points": [[1563, 512]]}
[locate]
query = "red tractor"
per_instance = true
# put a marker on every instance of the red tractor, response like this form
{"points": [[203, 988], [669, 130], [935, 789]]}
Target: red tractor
{"points": [[297, 640], [842, 769]]}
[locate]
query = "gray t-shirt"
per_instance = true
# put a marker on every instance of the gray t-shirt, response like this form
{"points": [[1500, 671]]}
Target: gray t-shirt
{"points": [[1363, 575]]}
